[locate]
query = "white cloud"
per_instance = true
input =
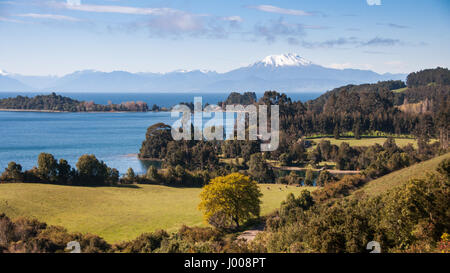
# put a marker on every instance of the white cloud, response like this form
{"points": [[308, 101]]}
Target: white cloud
{"points": [[163, 21], [233, 19], [118, 9], [49, 16], [74, 2], [342, 66], [4, 19], [374, 2], [274, 9]]}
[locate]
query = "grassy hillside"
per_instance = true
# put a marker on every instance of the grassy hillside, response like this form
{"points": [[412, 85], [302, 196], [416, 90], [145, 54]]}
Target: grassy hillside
{"points": [[383, 184], [116, 213], [400, 90]]}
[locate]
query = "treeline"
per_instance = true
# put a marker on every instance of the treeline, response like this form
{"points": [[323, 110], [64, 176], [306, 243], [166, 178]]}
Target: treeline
{"points": [[89, 172], [55, 102], [439, 76], [410, 218], [159, 144]]}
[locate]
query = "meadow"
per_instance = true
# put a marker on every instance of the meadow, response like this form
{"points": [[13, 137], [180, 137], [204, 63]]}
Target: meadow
{"points": [[367, 141], [117, 213]]}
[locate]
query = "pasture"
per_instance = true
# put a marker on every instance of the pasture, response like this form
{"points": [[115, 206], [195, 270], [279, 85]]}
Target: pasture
{"points": [[117, 213]]}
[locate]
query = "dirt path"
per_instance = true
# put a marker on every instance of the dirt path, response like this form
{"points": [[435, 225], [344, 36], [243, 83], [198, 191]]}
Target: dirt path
{"points": [[249, 235]]}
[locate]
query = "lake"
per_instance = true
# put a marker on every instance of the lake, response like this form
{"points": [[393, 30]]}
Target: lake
{"points": [[112, 137]]}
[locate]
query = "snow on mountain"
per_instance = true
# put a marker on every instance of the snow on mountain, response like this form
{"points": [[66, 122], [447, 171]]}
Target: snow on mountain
{"points": [[284, 73], [283, 60], [3, 73]]}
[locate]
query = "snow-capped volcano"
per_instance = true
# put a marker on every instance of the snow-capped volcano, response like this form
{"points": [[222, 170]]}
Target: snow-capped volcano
{"points": [[3, 73], [284, 73], [283, 60]]}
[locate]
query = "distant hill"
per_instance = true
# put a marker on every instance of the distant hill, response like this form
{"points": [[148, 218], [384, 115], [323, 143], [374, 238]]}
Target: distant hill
{"points": [[285, 73], [11, 85]]}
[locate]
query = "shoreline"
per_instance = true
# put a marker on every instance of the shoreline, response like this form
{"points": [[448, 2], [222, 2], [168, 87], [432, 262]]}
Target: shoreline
{"points": [[58, 111]]}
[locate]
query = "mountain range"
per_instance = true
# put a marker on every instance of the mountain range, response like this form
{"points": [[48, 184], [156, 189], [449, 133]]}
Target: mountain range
{"points": [[284, 73]]}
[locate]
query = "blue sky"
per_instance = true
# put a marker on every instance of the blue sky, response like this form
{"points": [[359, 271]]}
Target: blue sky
{"points": [[58, 37]]}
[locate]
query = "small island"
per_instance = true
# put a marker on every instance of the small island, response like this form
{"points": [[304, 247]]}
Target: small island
{"points": [[58, 103]]}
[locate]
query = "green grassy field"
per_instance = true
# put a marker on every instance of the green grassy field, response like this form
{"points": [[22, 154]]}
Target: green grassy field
{"points": [[401, 142], [384, 183], [116, 213], [400, 90]]}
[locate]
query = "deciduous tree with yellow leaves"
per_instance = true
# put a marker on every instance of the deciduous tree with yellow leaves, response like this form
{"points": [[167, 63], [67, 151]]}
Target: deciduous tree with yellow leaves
{"points": [[233, 199]]}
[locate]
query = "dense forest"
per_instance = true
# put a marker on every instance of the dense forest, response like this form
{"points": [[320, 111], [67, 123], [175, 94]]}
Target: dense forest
{"points": [[55, 102]]}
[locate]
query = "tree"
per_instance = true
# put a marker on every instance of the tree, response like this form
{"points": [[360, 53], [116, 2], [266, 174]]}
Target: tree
{"points": [[130, 176], [293, 178], [259, 169], [309, 178], [47, 167], [152, 174], [113, 176], [236, 197], [356, 130], [304, 202], [12, 173], [324, 178], [285, 159], [336, 132], [91, 171], [64, 172]]}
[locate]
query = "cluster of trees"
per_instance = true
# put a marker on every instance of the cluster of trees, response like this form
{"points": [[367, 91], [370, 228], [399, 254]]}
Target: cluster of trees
{"points": [[236, 98], [172, 176], [376, 159], [31, 236], [190, 154], [410, 218], [89, 172], [440, 76], [55, 102]]}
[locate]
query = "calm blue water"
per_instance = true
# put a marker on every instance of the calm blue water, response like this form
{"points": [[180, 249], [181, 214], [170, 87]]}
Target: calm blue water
{"points": [[113, 137]]}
